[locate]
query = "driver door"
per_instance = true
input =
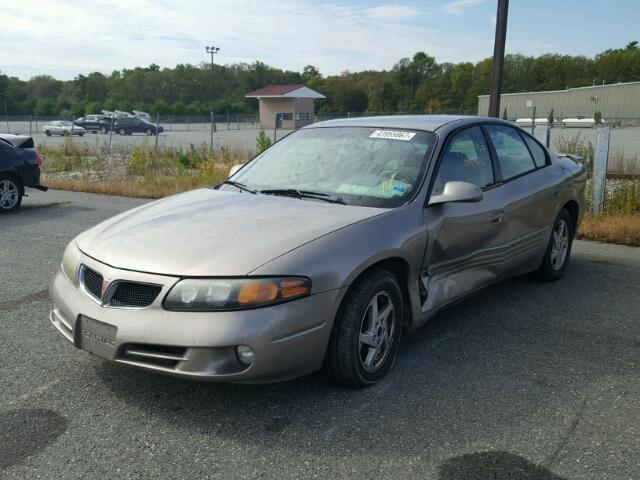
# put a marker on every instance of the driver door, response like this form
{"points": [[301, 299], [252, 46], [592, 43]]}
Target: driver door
{"points": [[464, 238]]}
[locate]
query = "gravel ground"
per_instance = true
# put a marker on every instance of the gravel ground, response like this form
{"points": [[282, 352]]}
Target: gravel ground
{"points": [[527, 380]]}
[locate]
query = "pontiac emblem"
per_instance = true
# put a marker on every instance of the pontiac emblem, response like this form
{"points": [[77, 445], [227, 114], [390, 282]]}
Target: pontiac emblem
{"points": [[105, 287]]}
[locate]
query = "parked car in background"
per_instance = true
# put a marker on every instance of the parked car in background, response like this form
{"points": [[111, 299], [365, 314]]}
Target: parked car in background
{"points": [[94, 123], [64, 128], [320, 251], [19, 168], [130, 125]]}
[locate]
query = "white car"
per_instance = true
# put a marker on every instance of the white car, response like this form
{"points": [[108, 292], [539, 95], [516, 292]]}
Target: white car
{"points": [[62, 127]]}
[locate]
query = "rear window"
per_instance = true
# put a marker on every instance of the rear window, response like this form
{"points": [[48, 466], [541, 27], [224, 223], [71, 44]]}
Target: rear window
{"points": [[539, 157], [513, 155]]}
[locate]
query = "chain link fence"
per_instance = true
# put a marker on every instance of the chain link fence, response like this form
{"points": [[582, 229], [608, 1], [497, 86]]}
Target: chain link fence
{"points": [[237, 130]]}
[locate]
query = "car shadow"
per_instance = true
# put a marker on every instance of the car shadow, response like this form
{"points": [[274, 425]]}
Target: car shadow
{"points": [[519, 356], [27, 431], [493, 465]]}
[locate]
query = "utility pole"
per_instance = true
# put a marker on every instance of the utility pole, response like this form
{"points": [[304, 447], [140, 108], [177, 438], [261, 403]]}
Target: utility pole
{"points": [[498, 58], [212, 51]]}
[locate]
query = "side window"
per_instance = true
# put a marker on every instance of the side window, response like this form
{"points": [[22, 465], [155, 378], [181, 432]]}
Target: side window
{"points": [[539, 157], [466, 159], [513, 156]]}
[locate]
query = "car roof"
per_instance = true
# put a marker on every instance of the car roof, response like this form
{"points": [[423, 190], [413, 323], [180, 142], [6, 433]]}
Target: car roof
{"points": [[413, 122]]}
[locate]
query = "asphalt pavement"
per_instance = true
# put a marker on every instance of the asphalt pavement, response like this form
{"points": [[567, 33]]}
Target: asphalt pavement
{"points": [[525, 380]]}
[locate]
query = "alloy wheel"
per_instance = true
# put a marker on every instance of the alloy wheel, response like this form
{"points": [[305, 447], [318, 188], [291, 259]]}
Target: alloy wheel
{"points": [[377, 332], [9, 194], [560, 245]]}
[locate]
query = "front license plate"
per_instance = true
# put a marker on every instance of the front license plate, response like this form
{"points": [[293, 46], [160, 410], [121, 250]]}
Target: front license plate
{"points": [[97, 337]]}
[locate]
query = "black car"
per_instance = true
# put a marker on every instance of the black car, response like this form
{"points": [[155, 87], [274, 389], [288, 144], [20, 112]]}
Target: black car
{"points": [[129, 125], [94, 123], [19, 168]]}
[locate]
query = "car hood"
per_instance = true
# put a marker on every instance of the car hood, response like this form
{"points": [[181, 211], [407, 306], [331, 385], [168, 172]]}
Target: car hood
{"points": [[214, 233]]}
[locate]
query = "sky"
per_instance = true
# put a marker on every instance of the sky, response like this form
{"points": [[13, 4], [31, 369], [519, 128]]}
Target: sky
{"points": [[65, 38]]}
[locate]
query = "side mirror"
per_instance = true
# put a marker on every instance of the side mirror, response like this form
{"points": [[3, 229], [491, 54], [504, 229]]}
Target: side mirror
{"points": [[457, 192], [234, 169]]}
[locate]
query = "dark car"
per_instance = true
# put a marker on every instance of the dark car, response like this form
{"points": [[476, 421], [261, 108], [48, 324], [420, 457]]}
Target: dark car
{"points": [[129, 125], [94, 123], [19, 168]]}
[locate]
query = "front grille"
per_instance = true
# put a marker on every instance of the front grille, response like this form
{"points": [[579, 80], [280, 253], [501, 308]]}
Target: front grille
{"points": [[129, 294], [92, 281], [154, 355]]}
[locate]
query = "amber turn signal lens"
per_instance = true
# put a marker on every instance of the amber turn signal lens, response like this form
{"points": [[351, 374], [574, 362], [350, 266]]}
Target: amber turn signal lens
{"points": [[293, 288], [257, 292]]}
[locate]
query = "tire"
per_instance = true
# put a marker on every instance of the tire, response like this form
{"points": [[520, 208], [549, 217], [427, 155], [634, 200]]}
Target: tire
{"points": [[149, 132], [65, 133], [122, 131], [10, 194], [556, 260], [103, 130], [351, 362], [47, 133], [81, 134]]}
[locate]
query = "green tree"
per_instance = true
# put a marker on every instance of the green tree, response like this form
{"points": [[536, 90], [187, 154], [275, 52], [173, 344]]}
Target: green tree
{"points": [[262, 142]]}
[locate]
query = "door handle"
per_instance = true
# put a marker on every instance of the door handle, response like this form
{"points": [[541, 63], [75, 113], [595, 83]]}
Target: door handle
{"points": [[499, 218]]}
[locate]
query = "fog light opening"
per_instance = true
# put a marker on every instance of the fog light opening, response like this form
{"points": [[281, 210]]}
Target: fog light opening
{"points": [[245, 354]]}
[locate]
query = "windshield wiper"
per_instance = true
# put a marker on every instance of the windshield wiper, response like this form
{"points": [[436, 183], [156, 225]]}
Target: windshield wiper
{"points": [[292, 192], [238, 185]]}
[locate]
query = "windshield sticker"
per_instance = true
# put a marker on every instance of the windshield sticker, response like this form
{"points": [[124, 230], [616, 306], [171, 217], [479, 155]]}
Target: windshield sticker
{"points": [[393, 135]]}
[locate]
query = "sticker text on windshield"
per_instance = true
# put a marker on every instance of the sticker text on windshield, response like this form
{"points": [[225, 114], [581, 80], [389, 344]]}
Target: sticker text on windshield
{"points": [[393, 135]]}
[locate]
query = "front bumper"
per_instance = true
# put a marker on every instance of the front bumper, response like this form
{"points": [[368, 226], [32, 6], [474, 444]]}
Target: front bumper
{"points": [[288, 340]]}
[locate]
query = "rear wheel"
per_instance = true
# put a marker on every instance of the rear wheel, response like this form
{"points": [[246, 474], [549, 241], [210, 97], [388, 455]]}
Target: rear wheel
{"points": [[10, 194], [149, 132], [556, 258], [366, 333], [47, 133], [103, 129], [122, 131]]}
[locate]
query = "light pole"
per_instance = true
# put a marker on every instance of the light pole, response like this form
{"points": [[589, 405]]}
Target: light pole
{"points": [[212, 51], [498, 58]]}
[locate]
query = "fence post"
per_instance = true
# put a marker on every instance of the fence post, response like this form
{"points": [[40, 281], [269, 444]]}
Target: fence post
{"points": [[600, 160], [110, 135], [275, 128], [30, 122], [157, 130], [6, 117]]}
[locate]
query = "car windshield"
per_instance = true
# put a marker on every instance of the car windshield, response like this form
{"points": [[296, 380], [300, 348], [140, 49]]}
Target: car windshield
{"points": [[374, 167], [65, 124]]}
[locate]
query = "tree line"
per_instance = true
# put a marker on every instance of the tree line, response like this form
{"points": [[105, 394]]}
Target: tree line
{"points": [[414, 85]]}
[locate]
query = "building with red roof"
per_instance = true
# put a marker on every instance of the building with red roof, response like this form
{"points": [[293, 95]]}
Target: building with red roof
{"points": [[287, 106]]}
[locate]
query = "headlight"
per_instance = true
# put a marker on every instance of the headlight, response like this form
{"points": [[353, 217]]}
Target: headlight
{"points": [[203, 295], [70, 260]]}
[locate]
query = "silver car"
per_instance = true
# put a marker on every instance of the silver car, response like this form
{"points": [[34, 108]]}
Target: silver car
{"points": [[64, 128], [321, 251]]}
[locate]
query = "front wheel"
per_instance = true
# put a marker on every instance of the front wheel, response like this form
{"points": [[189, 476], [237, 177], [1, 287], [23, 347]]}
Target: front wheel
{"points": [[10, 194], [556, 258], [103, 130], [366, 333], [47, 133], [122, 131], [149, 132]]}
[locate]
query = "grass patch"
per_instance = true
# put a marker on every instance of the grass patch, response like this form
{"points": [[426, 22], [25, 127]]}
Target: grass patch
{"points": [[620, 229], [144, 173], [140, 187]]}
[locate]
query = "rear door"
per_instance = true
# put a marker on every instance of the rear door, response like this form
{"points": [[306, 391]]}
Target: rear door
{"points": [[527, 189], [465, 240]]}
